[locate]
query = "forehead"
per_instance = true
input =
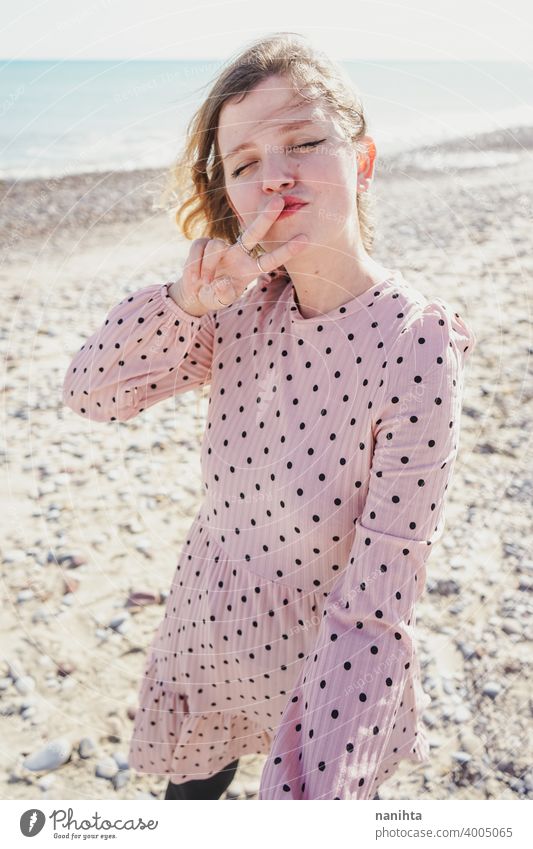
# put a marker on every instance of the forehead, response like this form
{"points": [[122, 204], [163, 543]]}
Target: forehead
{"points": [[267, 107]]}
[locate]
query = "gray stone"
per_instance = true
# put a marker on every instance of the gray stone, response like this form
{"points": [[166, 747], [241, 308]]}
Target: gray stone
{"points": [[46, 782], [528, 781], [469, 742], [15, 555], [121, 779], [87, 747], [235, 790], [51, 756], [251, 787], [14, 669], [462, 757], [509, 626], [120, 623], [467, 650], [25, 685], [106, 768], [491, 688], [462, 714], [121, 760], [25, 595]]}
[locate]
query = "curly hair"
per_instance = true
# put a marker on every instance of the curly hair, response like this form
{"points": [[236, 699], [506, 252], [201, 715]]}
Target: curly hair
{"points": [[196, 179]]}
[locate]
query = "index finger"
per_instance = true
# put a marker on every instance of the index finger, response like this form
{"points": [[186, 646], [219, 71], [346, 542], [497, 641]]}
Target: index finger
{"points": [[263, 222]]}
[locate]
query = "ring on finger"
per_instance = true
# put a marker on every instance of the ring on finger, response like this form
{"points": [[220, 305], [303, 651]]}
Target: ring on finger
{"points": [[245, 249], [223, 281]]}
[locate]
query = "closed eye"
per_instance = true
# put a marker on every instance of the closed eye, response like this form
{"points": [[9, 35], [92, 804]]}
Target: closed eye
{"points": [[290, 147]]}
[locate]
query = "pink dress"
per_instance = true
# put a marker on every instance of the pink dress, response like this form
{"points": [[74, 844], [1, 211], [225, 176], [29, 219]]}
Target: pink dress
{"points": [[330, 442]]}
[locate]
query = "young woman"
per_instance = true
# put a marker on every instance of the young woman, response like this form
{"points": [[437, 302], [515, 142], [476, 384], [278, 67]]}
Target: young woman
{"points": [[331, 435]]}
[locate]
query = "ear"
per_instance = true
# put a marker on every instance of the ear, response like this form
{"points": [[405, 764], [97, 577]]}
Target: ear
{"points": [[365, 162]]}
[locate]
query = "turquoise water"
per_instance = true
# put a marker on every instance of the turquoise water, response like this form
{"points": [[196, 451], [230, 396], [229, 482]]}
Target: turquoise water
{"points": [[64, 117]]}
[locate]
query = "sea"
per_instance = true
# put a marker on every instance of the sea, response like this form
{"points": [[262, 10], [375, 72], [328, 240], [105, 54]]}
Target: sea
{"points": [[68, 117]]}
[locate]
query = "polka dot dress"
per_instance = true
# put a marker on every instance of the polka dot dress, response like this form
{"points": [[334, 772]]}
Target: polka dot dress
{"points": [[329, 446]]}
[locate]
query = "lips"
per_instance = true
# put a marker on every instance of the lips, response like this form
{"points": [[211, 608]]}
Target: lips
{"points": [[293, 202]]}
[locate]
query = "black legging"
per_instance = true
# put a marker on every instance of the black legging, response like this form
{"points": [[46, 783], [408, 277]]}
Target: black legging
{"points": [[204, 788]]}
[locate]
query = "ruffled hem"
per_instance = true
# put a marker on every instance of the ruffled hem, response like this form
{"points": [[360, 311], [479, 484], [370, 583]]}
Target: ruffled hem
{"points": [[169, 741]]}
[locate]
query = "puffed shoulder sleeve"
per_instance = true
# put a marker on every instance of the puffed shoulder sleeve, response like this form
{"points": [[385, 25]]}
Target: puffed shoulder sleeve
{"points": [[338, 720], [148, 349]]}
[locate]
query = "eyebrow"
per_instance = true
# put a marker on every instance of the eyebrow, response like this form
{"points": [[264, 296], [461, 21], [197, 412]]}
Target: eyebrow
{"points": [[291, 125]]}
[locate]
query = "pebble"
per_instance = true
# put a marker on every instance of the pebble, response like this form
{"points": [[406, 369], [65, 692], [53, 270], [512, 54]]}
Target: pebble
{"points": [[41, 615], [5, 684], [121, 759], [429, 720], [121, 778], [14, 669], [106, 768], [65, 667], [46, 782], [87, 747], [51, 756], [25, 685], [71, 561], [469, 742], [448, 686], [491, 688], [234, 790], [70, 584], [251, 788], [510, 626], [467, 650], [121, 623], [68, 599], [137, 599], [16, 555], [461, 757], [25, 595], [445, 587], [528, 781], [462, 714]]}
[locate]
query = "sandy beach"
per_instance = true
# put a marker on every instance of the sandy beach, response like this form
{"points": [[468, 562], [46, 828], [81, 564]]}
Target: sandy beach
{"points": [[94, 514]]}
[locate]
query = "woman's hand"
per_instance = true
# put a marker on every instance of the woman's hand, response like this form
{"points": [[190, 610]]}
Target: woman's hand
{"points": [[216, 270]]}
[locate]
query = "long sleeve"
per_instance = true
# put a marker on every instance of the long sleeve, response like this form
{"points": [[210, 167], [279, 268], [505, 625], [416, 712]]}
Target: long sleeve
{"points": [[148, 349], [337, 724]]}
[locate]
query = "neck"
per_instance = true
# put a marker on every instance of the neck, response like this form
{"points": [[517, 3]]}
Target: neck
{"points": [[329, 278]]}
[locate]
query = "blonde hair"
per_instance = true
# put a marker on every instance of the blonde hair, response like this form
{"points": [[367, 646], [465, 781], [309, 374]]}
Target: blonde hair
{"points": [[198, 174]]}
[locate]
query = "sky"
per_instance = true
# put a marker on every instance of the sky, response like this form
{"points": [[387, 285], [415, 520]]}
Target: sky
{"points": [[214, 29]]}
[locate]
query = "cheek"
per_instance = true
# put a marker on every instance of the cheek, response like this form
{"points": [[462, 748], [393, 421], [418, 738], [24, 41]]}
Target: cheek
{"points": [[237, 203]]}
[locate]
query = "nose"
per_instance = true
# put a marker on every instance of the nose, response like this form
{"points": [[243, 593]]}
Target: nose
{"points": [[278, 173]]}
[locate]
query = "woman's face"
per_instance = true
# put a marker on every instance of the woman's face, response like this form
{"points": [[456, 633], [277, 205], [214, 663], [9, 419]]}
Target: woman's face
{"points": [[312, 162]]}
